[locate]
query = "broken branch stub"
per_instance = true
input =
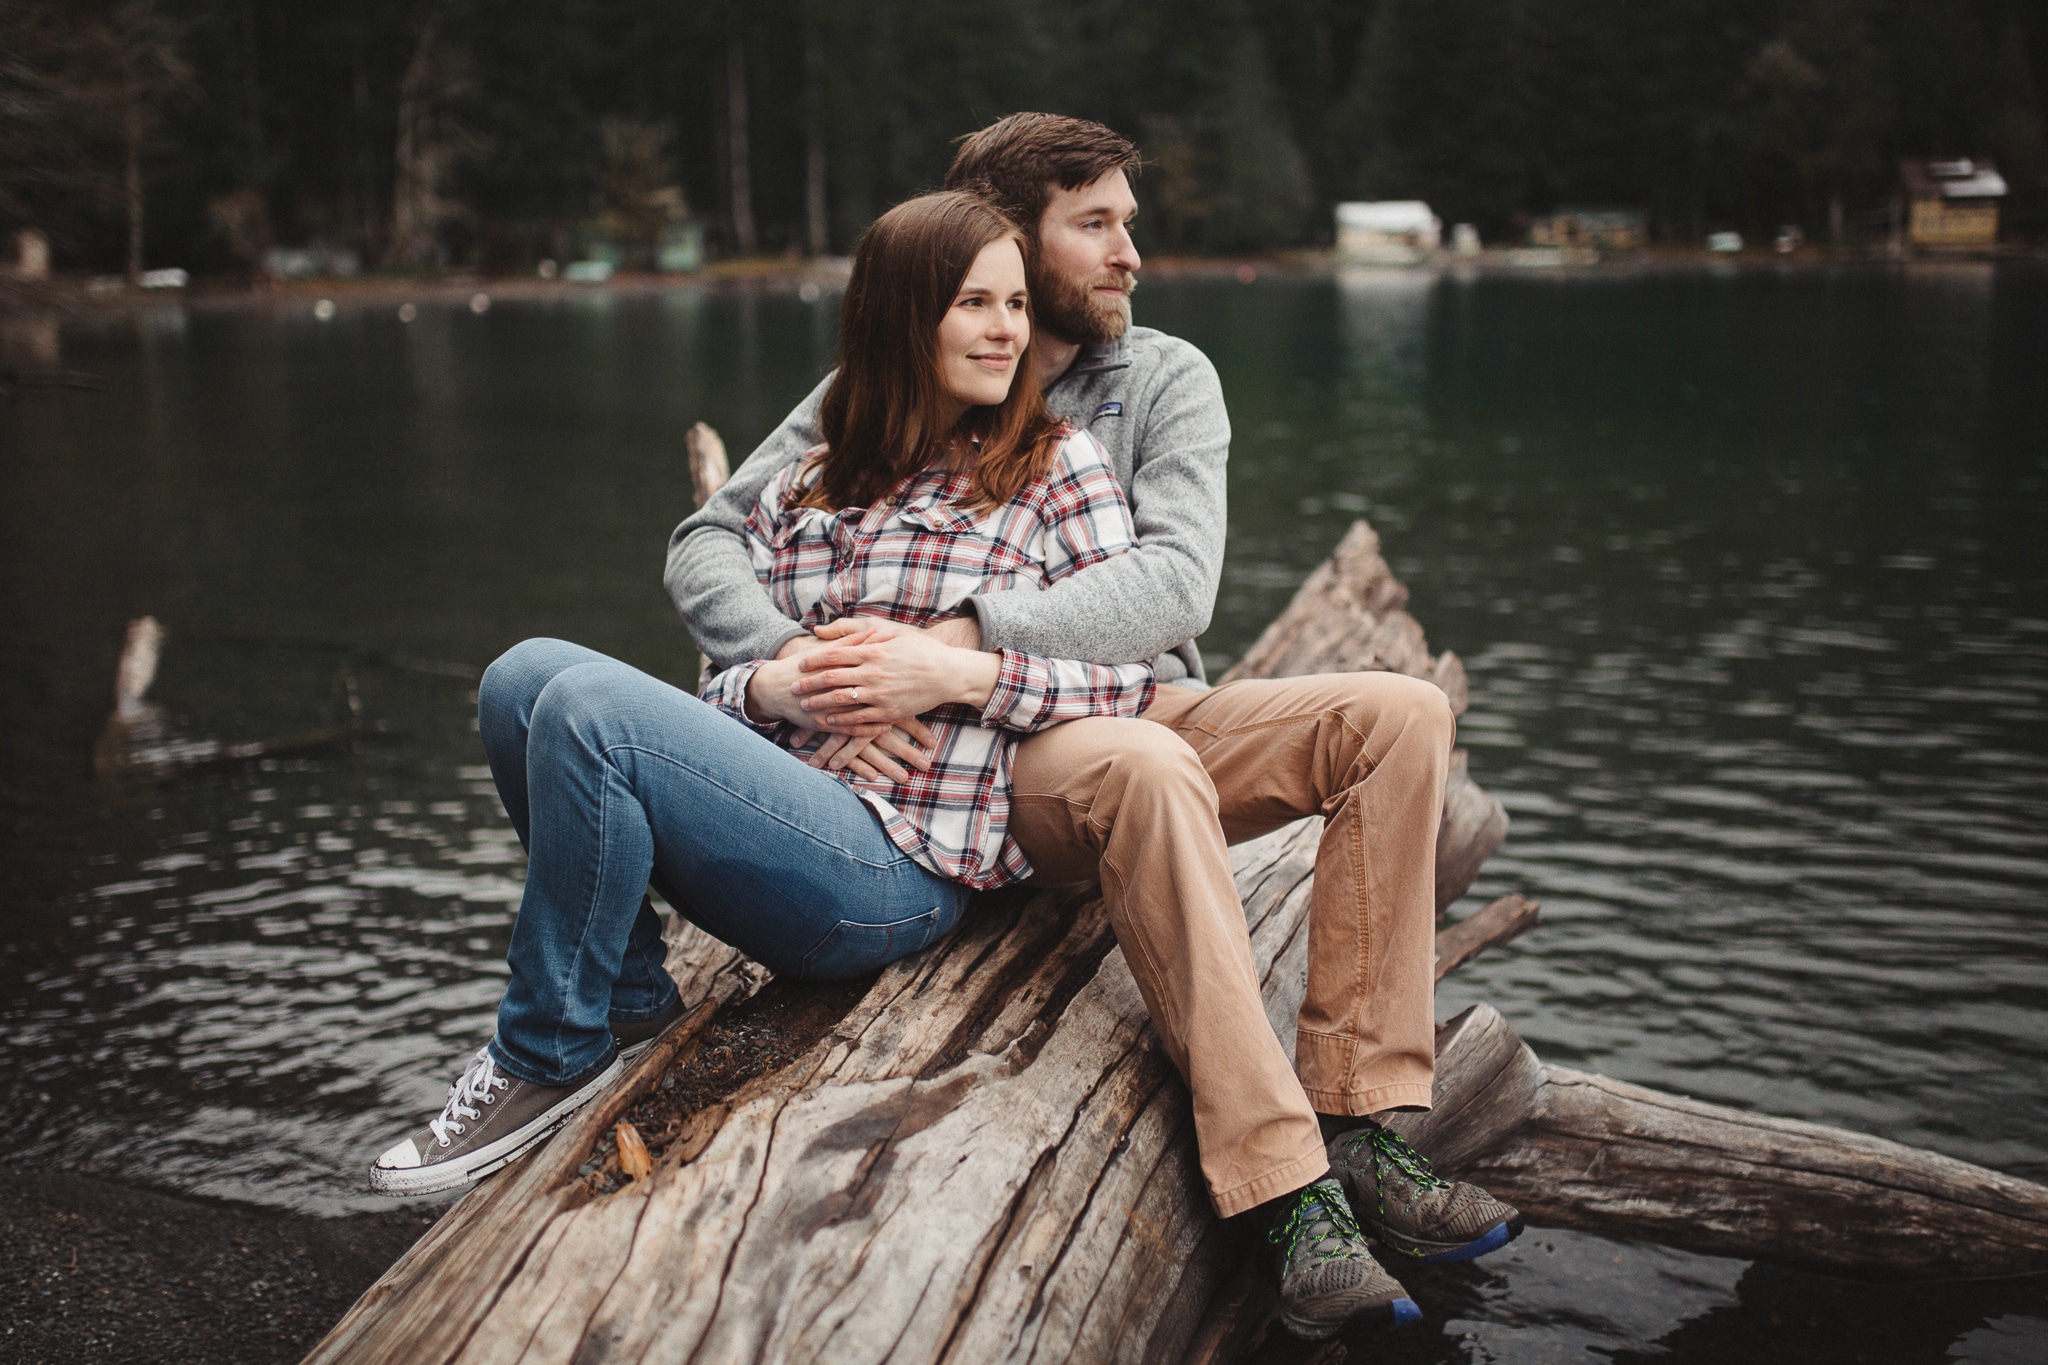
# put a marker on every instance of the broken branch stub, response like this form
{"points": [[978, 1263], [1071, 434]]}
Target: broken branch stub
{"points": [[1349, 617], [709, 470]]}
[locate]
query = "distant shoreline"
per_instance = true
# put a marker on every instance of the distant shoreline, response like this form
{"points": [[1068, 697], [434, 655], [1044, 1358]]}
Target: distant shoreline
{"points": [[80, 295]]}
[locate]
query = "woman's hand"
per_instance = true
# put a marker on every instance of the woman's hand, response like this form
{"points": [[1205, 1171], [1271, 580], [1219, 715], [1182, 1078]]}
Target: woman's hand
{"points": [[875, 672], [872, 758]]}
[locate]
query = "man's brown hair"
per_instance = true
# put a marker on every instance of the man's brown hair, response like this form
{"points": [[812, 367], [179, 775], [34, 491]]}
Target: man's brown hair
{"points": [[1015, 162], [880, 415]]}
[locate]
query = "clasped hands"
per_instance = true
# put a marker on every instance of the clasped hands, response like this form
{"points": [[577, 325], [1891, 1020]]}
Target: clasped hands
{"points": [[864, 681]]}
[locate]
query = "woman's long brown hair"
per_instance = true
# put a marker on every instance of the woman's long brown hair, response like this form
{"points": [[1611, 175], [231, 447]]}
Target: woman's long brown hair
{"points": [[881, 415]]}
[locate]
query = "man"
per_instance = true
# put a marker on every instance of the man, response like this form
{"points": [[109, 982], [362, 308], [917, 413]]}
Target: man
{"points": [[1147, 805]]}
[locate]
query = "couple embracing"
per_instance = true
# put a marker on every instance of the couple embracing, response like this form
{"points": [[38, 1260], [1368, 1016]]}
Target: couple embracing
{"points": [[951, 605]]}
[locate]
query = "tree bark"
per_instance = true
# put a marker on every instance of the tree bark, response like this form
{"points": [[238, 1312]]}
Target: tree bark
{"points": [[709, 469], [989, 1156]]}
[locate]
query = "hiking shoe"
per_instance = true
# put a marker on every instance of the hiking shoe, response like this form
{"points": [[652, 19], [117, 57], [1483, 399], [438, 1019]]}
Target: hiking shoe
{"points": [[636, 1037], [1408, 1208], [489, 1119], [1328, 1277]]}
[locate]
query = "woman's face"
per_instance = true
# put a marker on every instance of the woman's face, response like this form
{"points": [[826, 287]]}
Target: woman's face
{"points": [[983, 335]]}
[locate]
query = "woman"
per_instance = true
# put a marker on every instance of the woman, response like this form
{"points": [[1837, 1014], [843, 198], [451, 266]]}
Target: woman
{"points": [[820, 855]]}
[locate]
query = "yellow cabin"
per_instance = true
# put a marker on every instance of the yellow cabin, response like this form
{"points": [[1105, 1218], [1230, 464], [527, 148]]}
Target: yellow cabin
{"points": [[1952, 204]]}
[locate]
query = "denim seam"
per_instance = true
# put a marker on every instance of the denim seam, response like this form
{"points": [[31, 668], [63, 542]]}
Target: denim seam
{"points": [[604, 807], [901, 856]]}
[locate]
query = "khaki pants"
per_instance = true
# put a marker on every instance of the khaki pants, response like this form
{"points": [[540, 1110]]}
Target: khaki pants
{"points": [[1148, 806]]}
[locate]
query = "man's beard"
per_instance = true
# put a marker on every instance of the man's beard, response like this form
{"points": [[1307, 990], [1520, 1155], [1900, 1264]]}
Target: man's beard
{"points": [[1071, 311]]}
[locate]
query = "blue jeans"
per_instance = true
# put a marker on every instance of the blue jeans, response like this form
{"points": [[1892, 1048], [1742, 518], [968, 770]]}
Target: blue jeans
{"points": [[612, 779]]}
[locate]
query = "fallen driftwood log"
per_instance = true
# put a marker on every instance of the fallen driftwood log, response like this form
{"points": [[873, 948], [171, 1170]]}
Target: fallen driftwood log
{"points": [[984, 1155], [1582, 1151]]}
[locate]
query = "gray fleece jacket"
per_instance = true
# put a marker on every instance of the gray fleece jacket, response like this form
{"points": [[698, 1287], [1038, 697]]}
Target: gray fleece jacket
{"points": [[1153, 403]]}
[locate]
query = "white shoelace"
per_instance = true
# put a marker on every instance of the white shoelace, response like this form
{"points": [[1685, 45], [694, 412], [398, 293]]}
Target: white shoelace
{"points": [[472, 1088]]}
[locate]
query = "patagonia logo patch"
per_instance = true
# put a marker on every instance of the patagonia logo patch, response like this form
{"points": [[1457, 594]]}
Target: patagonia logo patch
{"points": [[1110, 410]]}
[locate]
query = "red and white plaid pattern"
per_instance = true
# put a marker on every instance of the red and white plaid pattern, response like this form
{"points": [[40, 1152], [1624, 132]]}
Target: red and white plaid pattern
{"points": [[916, 556]]}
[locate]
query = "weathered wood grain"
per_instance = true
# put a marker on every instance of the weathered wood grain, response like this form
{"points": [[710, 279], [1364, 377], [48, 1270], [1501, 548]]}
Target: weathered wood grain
{"points": [[945, 1175]]}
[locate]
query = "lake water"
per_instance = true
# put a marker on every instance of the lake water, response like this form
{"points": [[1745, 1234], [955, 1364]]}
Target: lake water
{"points": [[1748, 570]]}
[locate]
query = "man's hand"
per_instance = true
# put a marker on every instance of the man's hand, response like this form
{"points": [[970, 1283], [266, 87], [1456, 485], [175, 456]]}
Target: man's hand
{"points": [[961, 632], [805, 643], [771, 696], [877, 672], [908, 740]]}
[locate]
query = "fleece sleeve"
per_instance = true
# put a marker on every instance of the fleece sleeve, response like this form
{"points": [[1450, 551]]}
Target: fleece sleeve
{"points": [[709, 575], [1161, 594]]}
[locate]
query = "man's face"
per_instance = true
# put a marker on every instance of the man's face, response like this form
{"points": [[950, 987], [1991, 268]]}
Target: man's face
{"points": [[1085, 267]]}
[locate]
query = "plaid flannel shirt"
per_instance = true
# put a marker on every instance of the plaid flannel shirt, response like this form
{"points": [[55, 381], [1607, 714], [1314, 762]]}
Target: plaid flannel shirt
{"points": [[915, 557]]}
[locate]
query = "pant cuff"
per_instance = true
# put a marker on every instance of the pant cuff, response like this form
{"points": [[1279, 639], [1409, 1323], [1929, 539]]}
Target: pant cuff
{"points": [[1303, 1170], [531, 1077], [673, 998], [1398, 1095]]}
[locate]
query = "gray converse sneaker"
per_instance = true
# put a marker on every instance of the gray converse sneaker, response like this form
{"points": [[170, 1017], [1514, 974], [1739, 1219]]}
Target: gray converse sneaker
{"points": [[489, 1119], [636, 1037], [1408, 1208], [1327, 1274]]}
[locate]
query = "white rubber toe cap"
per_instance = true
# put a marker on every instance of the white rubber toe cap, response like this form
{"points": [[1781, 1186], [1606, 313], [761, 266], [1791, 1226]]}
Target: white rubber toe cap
{"points": [[402, 1156]]}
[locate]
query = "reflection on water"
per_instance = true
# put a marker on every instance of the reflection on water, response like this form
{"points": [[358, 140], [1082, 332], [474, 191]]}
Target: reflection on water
{"points": [[1746, 571]]}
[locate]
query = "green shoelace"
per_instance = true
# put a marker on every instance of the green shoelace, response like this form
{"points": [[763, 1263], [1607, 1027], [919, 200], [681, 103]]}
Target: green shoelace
{"points": [[1390, 1149], [1297, 1225]]}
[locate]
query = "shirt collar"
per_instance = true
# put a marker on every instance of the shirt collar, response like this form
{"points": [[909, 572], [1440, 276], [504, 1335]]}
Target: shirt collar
{"points": [[1100, 359]]}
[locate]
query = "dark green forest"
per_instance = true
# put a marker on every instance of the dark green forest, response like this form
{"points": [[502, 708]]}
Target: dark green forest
{"points": [[490, 134]]}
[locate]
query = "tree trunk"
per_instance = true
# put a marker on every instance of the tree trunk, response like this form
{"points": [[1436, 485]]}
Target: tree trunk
{"points": [[1349, 617], [415, 188], [820, 235], [131, 184], [743, 239]]}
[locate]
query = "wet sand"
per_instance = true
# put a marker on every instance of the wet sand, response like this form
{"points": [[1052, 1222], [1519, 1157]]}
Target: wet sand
{"points": [[95, 1271]]}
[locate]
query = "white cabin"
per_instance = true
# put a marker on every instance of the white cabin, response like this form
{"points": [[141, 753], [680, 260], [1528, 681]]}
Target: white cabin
{"points": [[1386, 232]]}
